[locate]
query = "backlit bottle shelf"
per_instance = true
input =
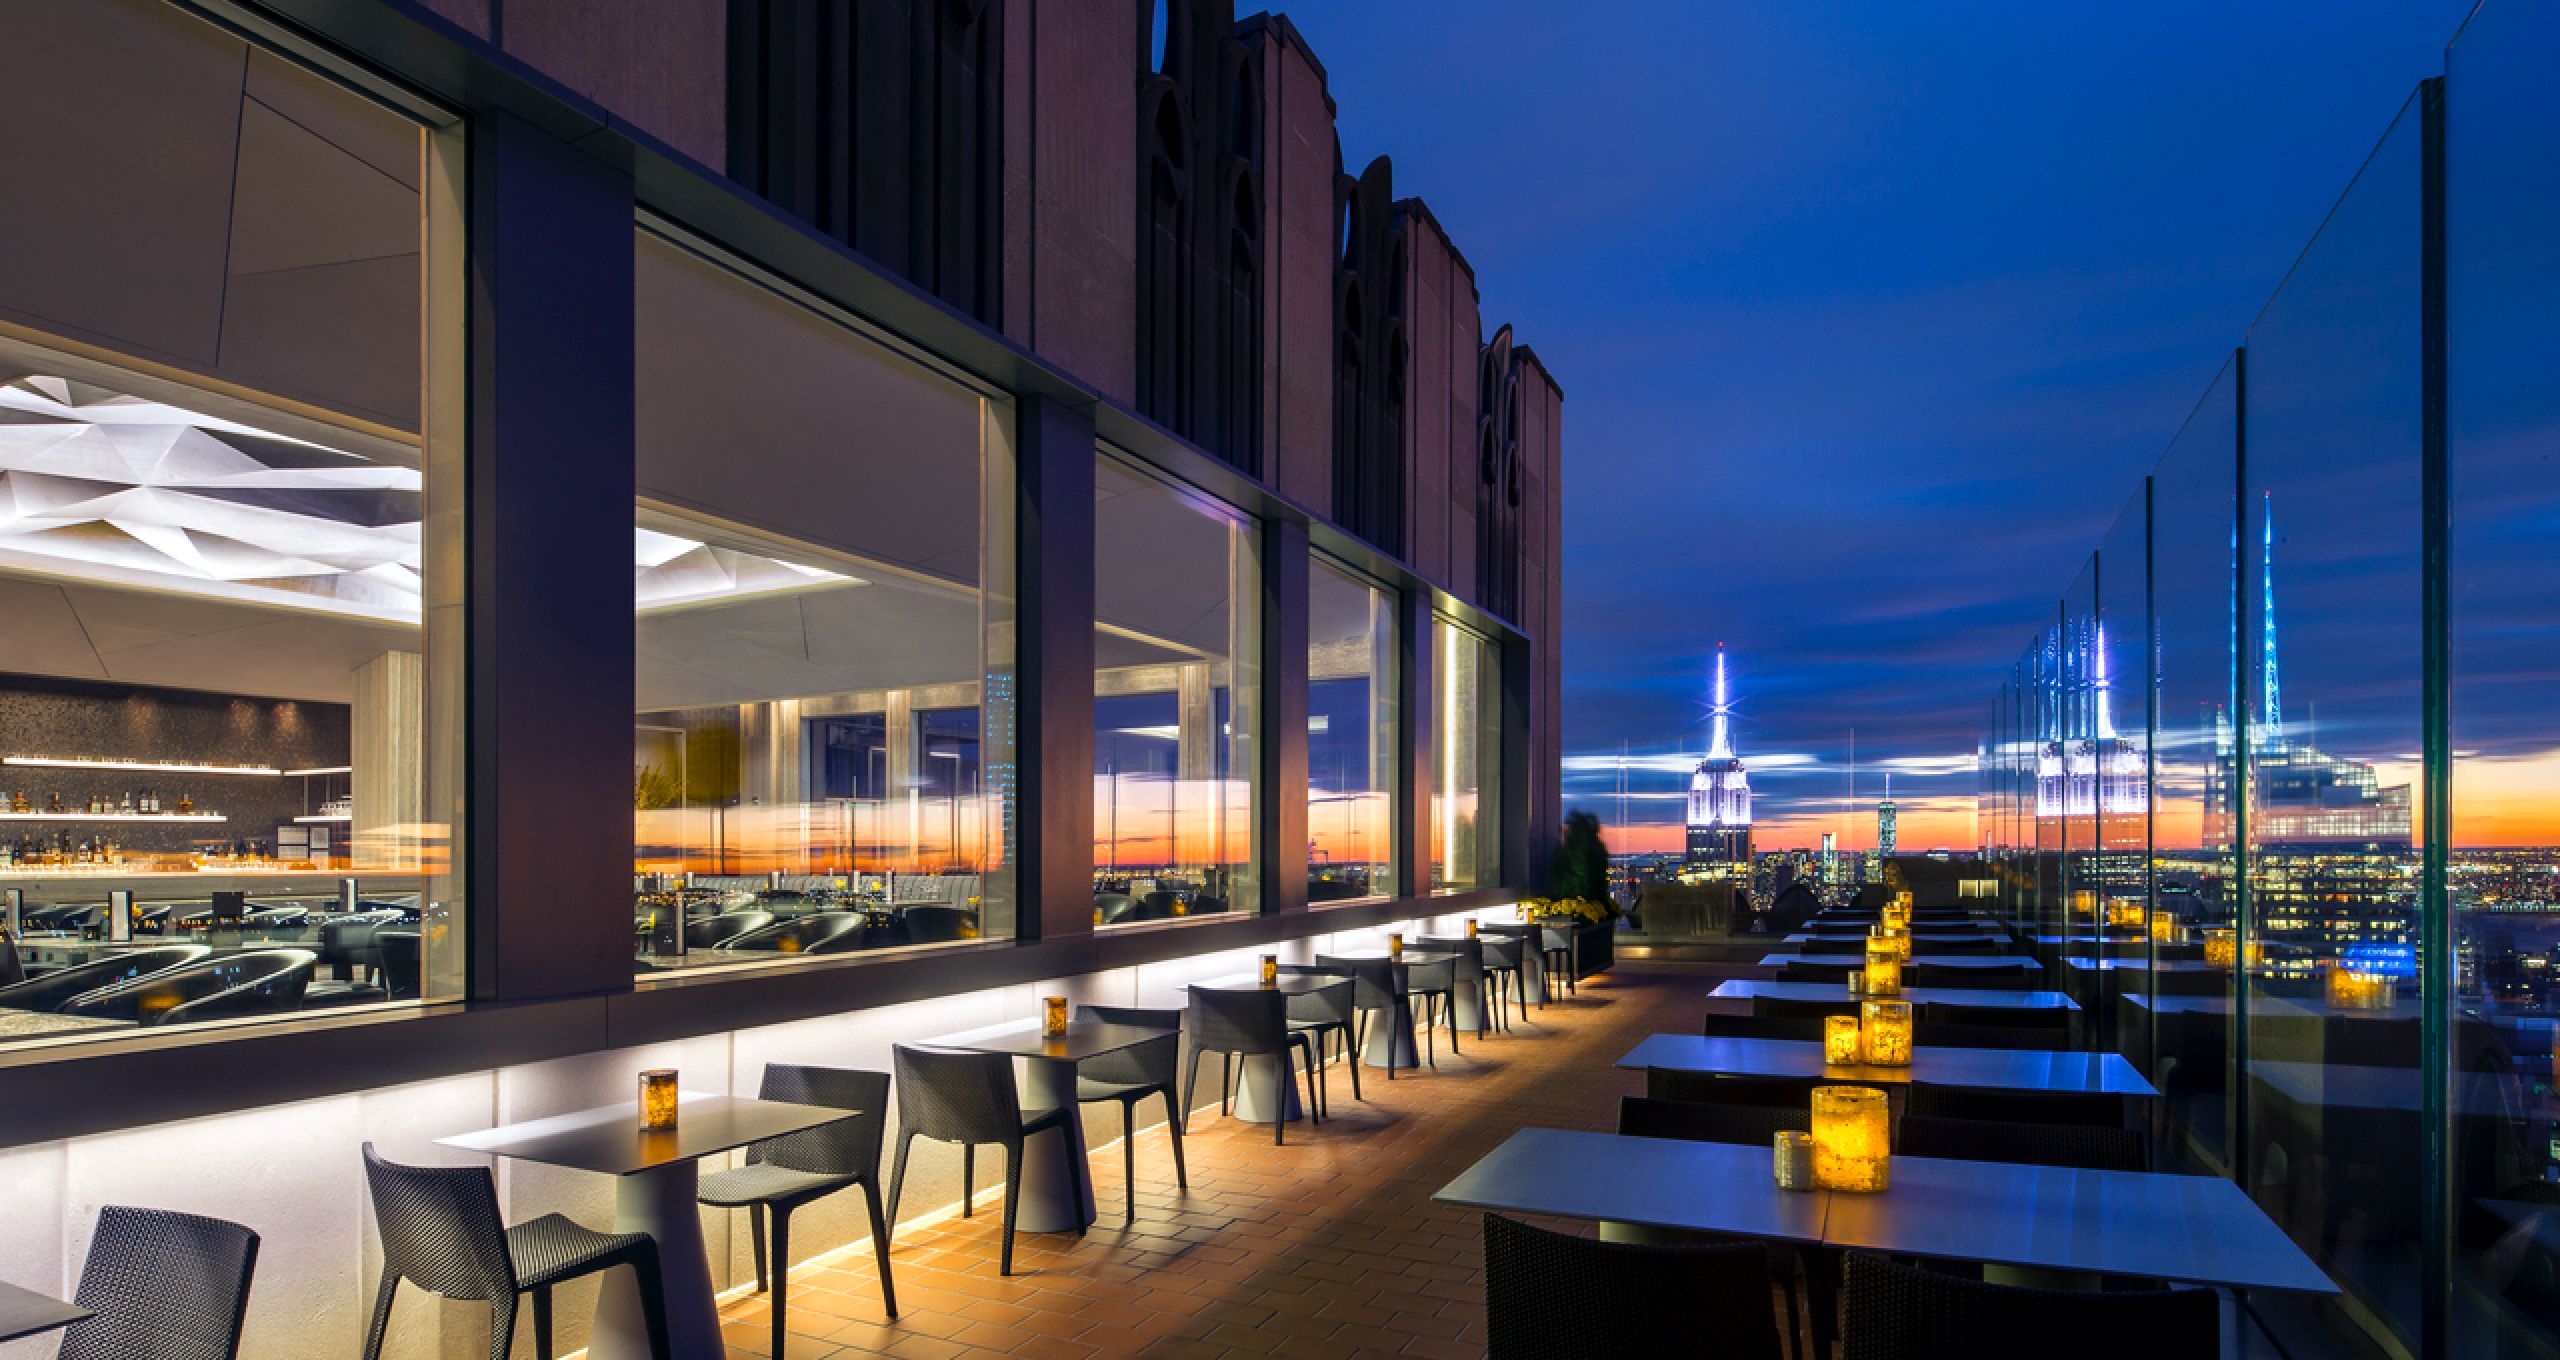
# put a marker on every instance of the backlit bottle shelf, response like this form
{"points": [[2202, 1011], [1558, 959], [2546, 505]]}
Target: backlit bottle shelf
{"points": [[113, 817], [138, 766]]}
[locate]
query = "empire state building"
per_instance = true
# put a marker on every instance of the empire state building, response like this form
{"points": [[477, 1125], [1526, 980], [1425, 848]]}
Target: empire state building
{"points": [[1720, 793]]}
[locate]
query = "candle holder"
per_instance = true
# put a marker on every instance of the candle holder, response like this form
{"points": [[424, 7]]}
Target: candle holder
{"points": [[1053, 1016], [2351, 990], [1884, 970], [1792, 1153], [2124, 914], [658, 1100], [1895, 938], [2221, 947], [1857, 981], [1471, 927], [1884, 1033], [1840, 1043], [1270, 970], [2164, 928], [1395, 946], [1850, 1150]]}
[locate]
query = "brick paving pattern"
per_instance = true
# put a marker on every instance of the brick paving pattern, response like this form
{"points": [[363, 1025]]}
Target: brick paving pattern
{"points": [[1329, 1244]]}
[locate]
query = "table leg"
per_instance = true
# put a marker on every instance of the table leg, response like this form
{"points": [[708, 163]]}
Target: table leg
{"points": [[1051, 1201], [1467, 1001], [1390, 1042], [1533, 975], [1254, 1096], [659, 1202]]}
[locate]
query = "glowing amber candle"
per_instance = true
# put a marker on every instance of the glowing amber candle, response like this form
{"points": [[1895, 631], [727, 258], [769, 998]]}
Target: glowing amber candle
{"points": [[2164, 928], [1850, 1151], [1884, 969], [1270, 970], [1471, 927], [1395, 946], [2350, 990], [2221, 948], [2124, 913], [1895, 938], [1840, 1046], [658, 1099], [1053, 1016], [1884, 1033]]}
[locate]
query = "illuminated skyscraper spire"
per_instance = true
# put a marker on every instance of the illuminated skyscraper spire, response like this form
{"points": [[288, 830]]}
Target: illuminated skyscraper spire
{"points": [[2098, 682], [1719, 744], [2274, 714]]}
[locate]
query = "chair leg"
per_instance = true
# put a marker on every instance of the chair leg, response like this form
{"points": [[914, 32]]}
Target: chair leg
{"points": [[1079, 1188], [897, 1184], [1323, 1040], [1449, 1009], [381, 1316], [1129, 1156], [1351, 1059], [502, 1327], [1012, 1199], [1795, 1333], [1280, 1099], [1430, 1030], [1190, 1088], [1315, 1085], [1181, 1177], [542, 1323], [653, 1303], [755, 1225], [1226, 1083], [968, 1179], [879, 1247], [781, 1270]]}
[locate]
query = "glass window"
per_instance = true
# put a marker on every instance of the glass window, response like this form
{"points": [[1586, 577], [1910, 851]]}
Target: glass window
{"points": [[821, 584], [1351, 736], [1177, 684], [1466, 760], [230, 540]]}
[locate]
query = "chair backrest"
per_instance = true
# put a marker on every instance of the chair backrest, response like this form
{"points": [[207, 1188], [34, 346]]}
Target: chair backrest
{"points": [[1373, 980], [1983, 1140], [1440, 976], [1502, 951], [935, 924], [2017, 1107], [1855, 944], [257, 982], [728, 925], [2052, 1019], [1986, 945], [2013, 977], [1239, 1020], [1792, 1008], [1157, 1062], [1550, 1293], [958, 1097], [440, 1228], [1114, 907], [1934, 1034], [1332, 1005], [12, 971], [847, 1147], [1811, 970], [166, 1285], [1640, 1117], [402, 978], [1755, 1027], [1708, 1088], [1897, 1312], [52, 989], [818, 932], [1470, 953]]}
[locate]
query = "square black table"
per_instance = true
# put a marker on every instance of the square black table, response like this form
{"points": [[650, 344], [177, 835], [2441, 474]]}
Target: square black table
{"points": [[1049, 1202], [1650, 1182], [655, 1177], [24, 1312], [1261, 1096], [1991, 1069]]}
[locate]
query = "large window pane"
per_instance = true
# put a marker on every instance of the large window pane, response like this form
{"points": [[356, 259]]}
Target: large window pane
{"points": [[1466, 760], [822, 756], [1351, 736], [1177, 688], [230, 533]]}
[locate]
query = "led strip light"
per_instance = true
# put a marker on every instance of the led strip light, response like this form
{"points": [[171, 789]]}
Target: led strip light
{"points": [[142, 766]]}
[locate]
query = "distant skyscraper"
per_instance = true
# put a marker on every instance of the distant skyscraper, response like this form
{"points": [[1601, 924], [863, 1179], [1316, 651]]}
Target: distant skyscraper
{"points": [[1720, 793], [1830, 859], [1885, 818]]}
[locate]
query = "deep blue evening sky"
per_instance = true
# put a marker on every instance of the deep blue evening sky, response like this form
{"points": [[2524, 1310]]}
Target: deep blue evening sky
{"points": [[1869, 317]]}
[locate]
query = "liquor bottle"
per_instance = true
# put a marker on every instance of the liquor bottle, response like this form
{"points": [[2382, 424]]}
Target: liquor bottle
{"points": [[124, 806], [22, 801], [151, 800], [186, 806], [57, 803]]}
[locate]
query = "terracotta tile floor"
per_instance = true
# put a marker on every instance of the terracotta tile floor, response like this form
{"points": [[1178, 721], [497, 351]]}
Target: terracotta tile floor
{"points": [[1330, 1241]]}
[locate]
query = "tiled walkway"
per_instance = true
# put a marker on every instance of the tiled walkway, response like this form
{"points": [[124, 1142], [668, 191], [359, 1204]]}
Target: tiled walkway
{"points": [[1327, 1245]]}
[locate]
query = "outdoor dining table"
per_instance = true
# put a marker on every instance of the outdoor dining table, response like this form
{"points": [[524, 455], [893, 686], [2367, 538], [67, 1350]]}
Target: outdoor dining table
{"points": [[1919, 938], [656, 1175], [1745, 989], [2191, 1229], [1935, 960], [1392, 1044], [1256, 1102], [2085, 964], [1051, 1202], [24, 1312], [2001, 1069]]}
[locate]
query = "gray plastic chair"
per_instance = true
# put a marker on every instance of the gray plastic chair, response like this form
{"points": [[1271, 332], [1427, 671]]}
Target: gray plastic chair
{"points": [[1247, 1023], [782, 1174], [1436, 984], [1377, 985], [164, 1285], [1129, 1075], [1319, 1015], [441, 1231], [969, 1099], [1505, 965]]}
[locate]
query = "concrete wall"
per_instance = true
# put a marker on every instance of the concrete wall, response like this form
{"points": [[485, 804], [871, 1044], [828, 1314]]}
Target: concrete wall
{"points": [[1071, 188], [1300, 246], [293, 1173], [1542, 594], [1444, 329]]}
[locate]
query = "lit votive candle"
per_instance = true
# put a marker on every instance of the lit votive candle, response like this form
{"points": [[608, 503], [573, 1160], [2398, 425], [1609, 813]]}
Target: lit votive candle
{"points": [[1857, 981], [1471, 927], [2350, 990], [1792, 1152], [1884, 1033], [1395, 945], [1053, 1016], [1270, 970], [1840, 1040], [1884, 970], [658, 1099], [2221, 948], [1850, 1151], [1896, 938], [2164, 928]]}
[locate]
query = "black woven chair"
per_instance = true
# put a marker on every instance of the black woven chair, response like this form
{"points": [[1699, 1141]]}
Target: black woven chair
{"points": [[1936, 1035], [1753, 1027], [819, 932], [2017, 1107], [164, 1285], [782, 1174], [1700, 1122], [1129, 1075], [1550, 1296], [1555, 950], [1897, 1312], [1663, 1083], [1505, 962], [1855, 945], [1248, 1023], [1468, 955], [2054, 1021], [2005, 977], [1829, 972], [1790, 1008], [441, 1231], [402, 973], [710, 932], [1377, 985], [2089, 1147], [1985, 945], [1320, 1015], [258, 982], [927, 924], [52, 989], [969, 1099], [1435, 985]]}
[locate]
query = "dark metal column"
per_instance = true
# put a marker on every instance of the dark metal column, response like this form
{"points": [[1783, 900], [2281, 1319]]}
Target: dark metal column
{"points": [[1282, 819], [1417, 682], [1054, 656]]}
